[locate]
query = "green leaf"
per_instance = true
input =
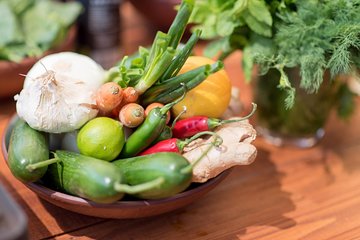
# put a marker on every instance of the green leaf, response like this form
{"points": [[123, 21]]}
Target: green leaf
{"points": [[214, 47], [284, 84], [40, 27], [8, 55], [239, 6], [200, 12], [225, 24], [66, 13], [10, 31], [258, 9], [19, 6], [257, 26], [247, 63], [17, 51], [207, 31], [346, 102]]}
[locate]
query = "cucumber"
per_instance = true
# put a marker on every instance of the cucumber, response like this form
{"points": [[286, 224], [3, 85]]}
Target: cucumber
{"points": [[27, 146], [172, 167], [84, 176]]}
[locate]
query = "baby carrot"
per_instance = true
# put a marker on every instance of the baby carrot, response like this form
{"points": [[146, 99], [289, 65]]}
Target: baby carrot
{"points": [[108, 97], [154, 105], [130, 95], [132, 115]]}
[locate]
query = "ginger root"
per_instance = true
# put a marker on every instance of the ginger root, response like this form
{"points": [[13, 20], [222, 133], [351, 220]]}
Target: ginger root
{"points": [[236, 149]]}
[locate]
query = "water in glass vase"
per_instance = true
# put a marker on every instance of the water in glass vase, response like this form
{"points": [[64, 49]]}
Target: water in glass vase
{"points": [[303, 124]]}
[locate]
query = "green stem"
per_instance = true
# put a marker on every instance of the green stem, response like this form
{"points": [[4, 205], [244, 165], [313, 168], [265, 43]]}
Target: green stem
{"points": [[185, 142], [217, 142], [159, 45], [168, 106], [34, 166], [169, 96], [158, 66], [196, 136], [135, 72], [125, 188], [181, 58], [111, 74], [253, 110], [177, 117], [173, 91], [178, 26], [174, 82]]}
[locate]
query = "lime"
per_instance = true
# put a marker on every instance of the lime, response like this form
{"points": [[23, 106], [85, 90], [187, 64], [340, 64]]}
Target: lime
{"points": [[101, 138]]}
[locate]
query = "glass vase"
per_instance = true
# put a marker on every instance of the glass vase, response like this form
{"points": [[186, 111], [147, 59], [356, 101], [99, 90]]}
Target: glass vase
{"points": [[303, 124]]}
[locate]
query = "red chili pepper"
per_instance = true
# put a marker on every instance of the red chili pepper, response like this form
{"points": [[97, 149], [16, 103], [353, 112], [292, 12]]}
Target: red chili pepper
{"points": [[172, 144], [167, 145], [190, 126]]}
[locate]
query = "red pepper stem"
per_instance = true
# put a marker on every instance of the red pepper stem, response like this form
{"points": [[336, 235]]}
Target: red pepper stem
{"points": [[177, 117], [182, 144], [217, 142], [168, 106], [213, 123]]}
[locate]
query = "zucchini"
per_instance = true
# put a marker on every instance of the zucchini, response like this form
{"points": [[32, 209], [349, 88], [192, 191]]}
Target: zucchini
{"points": [[27, 146], [172, 167]]}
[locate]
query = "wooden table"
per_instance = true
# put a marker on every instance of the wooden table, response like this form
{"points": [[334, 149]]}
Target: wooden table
{"points": [[286, 193]]}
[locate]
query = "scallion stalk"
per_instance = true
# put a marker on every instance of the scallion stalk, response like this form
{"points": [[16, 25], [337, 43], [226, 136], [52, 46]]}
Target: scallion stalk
{"points": [[178, 26], [154, 70], [173, 93], [183, 55], [174, 82]]}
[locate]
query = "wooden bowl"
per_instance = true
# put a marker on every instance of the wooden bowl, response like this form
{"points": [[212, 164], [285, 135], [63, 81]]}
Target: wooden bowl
{"points": [[124, 209], [11, 82]]}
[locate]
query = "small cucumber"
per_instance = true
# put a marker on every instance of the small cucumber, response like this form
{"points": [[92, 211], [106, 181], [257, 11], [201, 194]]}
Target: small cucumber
{"points": [[172, 167], [27, 146], [84, 176]]}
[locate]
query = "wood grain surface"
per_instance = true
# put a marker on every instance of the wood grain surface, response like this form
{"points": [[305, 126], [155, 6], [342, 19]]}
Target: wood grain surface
{"points": [[287, 193]]}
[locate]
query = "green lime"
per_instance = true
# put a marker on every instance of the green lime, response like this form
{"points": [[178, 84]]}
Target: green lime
{"points": [[101, 138]]}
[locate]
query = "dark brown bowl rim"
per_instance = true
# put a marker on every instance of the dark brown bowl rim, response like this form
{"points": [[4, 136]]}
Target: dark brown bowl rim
{"points": [[66, 198]]}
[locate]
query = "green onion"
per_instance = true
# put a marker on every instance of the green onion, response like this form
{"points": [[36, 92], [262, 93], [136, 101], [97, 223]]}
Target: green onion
{"points": [[172, 93], [173, 83], [178, 26], [154, 70], [183, 55]]}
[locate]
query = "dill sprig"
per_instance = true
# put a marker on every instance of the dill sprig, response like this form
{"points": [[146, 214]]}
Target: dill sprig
{"points": [[314, 35]]}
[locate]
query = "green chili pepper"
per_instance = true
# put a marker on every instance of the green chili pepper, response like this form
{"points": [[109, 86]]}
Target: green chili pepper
{"points": [[166, 133], [148, 131]]}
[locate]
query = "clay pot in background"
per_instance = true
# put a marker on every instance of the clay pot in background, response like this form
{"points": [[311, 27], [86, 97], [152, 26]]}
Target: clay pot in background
{"points": [[11, 82]]}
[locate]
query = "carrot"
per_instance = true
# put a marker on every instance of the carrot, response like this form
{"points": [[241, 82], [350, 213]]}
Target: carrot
{"points": [[130, 95], [108, 97], [154, 105], [132, 115]]}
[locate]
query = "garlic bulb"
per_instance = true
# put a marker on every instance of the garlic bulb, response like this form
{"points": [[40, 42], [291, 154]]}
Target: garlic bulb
{"points": [[58, 92]]}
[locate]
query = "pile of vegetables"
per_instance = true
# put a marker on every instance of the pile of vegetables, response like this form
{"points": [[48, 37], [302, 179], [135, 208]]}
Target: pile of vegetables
{"points": [[31, 27], [102, 134]]}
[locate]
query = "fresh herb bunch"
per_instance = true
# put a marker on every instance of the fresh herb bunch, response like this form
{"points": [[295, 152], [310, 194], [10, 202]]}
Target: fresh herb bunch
{"points": [[314, 35]]}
